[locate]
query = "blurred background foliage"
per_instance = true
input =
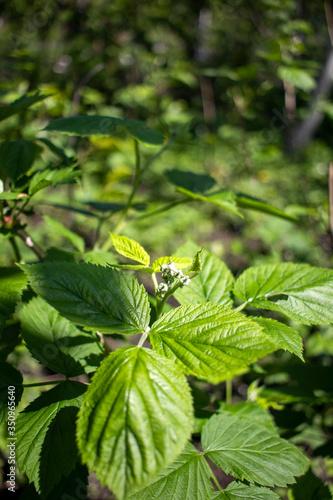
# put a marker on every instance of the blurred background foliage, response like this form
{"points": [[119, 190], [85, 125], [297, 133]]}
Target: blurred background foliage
{"points": [[243, 81], [243, 88]]}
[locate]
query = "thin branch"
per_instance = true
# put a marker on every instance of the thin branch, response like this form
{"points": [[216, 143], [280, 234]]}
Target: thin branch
{"points": [[30, 244]]}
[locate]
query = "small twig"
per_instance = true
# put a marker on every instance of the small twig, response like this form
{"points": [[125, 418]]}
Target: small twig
{"points": [[15, 248], [30, 244]]}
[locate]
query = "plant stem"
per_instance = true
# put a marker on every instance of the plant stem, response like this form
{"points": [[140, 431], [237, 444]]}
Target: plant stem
{"points": [[137, 179], [161, 210], [153, 277], [30, 244], [213, 476], [16, 251], [228, 392], [143, 338], [241, 307], [38, 384]]}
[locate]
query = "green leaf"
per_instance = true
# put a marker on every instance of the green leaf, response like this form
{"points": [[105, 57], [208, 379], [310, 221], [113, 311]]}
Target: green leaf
{"points": [[249, 451], [252, 411], [86, 125], [12, 282], [197, 183], [298, 77], [9, 339], [135, 420], [130, 249], [180, 262], [56, 342], [187, 478], [282, 335], [250, 203], [9, 377], [133, 267], [99, 257], [52, 177], [96, 297], [309, 487], [45, 433], [214, 284], [302, 292], [59, 254], [196, 266], [209, 341], [9, 195], [224, 199], [58, 151], [21, 104], [16, 157], [239, 491], [74, 238]]}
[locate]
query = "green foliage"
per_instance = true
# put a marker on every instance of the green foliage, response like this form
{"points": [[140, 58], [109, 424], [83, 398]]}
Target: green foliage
{"points": [[135, 419], [92, 296]]}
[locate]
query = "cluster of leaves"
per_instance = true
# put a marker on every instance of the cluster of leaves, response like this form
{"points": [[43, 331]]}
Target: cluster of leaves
{"points": [[132, 424]]}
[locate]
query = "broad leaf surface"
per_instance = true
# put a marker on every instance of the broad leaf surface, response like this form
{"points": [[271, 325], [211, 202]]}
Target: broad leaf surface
{"points": [[58, 228], [135, 420], [239, 491], [130, 249], [302, 292], [282, 335], [309, 487], [96, 297], [99, 257], [9, 339], [16, 157], [209, 340], [12, 282], [197, 183], [9, 376], [252, 411], [244, 201], [45, 433], [86, 125], [187, 478], [213, 284], [249, 451], [56, 342]]}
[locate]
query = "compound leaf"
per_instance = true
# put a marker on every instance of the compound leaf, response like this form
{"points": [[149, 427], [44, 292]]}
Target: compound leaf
{"points": [[130, 249], [96, 297], [250, 451], [213, 284], [209, 340], [56, 342], [135, 420], [301, 292], [187, 478]]}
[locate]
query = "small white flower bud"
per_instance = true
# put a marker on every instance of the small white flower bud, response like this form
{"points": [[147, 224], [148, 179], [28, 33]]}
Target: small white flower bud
{"points": [[185, 281]]}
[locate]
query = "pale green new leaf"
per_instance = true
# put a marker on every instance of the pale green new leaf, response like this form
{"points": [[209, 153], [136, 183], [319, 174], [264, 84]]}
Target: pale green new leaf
{"points": [[302, 292], [45, 433], [282, 335], [130, 249], [209, 341], [96, 297], [135, 420], [249, 451], [187, 478], [74, 238], [180, 262], [214, 284], [239, 491], [133, 267], [56, 342]]}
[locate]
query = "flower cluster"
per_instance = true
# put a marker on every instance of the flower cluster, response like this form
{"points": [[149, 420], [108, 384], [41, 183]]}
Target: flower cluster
{"points": [[169, 273]]}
